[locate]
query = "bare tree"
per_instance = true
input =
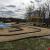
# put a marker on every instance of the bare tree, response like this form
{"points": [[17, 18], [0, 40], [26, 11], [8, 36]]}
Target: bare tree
{"points": [[29, 12]]}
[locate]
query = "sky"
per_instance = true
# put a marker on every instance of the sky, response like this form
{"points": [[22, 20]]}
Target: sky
{"points": [[20, 6]]}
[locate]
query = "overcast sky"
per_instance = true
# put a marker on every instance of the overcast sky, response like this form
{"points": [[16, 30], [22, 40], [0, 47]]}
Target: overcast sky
{"points": [[20, 4], [16, 2]]}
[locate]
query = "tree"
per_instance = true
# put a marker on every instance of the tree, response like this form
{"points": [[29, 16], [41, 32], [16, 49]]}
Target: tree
{"points": [[29, 12]]}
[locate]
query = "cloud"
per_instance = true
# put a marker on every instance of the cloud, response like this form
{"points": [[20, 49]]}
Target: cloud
{"points": [[18, 7], [11, 6]]}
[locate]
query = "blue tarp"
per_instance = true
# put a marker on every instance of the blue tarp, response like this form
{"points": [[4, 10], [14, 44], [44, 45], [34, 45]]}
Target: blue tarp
{"points": [[3, 25]]}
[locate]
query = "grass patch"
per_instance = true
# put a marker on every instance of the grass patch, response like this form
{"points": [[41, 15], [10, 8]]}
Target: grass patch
{"points": [[26, 44]]}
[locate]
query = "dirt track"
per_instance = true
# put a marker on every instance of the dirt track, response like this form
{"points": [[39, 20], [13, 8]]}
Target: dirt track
{"points": [[18, 34]]}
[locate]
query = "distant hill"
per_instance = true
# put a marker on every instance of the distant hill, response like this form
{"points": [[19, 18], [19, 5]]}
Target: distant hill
{"points": [[17, 20]]}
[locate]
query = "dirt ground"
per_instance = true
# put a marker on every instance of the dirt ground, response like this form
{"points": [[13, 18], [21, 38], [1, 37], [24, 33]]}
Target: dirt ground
{"points": [[28, 31]]}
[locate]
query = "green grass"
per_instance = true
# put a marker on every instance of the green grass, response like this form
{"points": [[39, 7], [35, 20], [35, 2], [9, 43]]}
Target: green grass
{"points": [[26, 44]]}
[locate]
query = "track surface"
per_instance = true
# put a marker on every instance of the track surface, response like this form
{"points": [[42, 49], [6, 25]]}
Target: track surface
{"points": [[28, 31]]}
